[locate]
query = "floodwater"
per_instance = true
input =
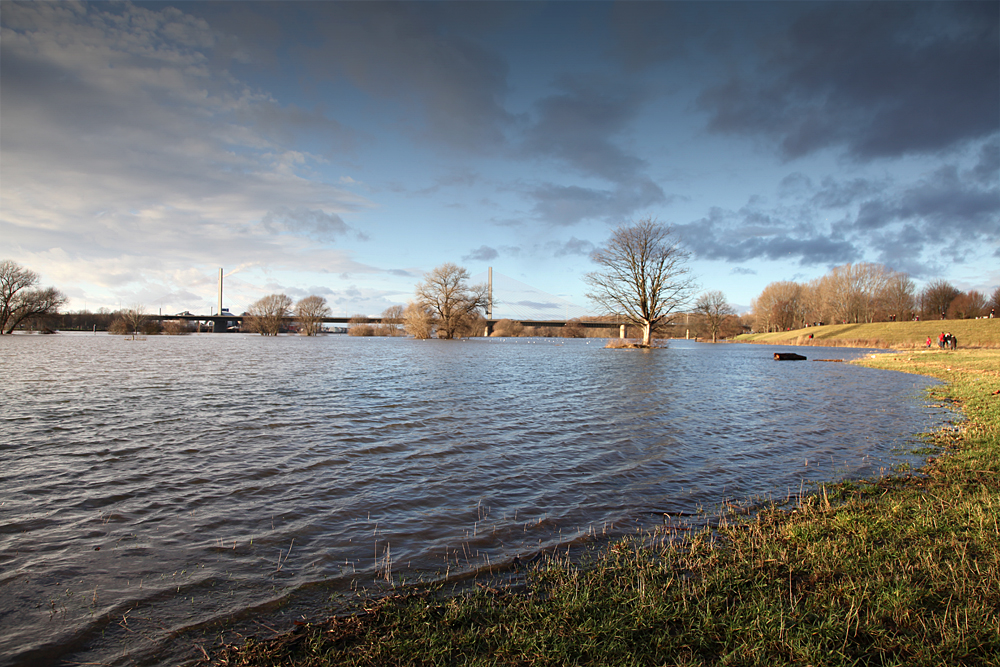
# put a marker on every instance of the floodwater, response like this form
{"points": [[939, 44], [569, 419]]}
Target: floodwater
{"points": [[157, 493]]}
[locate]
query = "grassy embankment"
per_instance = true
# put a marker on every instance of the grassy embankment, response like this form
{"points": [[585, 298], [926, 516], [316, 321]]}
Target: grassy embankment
{"points": [[896, 335], [903, 570]]}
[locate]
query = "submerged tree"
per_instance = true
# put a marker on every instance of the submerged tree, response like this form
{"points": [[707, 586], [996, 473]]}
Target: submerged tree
{"points": [[714, 308], [310, 312], [418, 320], [392, 322], [453, 302], [21, 300], [132, 321], [266, 315], [643, 275]]}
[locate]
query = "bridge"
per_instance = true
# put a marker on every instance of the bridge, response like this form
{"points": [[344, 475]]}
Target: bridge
{"points": [[520, 302], [226, 323]]}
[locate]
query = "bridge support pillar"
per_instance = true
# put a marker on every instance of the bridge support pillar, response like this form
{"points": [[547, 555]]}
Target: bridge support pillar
{"points": [[621, 331], [219, 325]]}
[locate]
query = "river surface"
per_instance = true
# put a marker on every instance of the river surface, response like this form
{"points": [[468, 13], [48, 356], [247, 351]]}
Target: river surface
{"points": [[158, 493]]}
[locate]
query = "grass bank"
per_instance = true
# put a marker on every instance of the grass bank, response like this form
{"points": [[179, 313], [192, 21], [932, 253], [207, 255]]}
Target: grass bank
{"points": [[902, 570], [901, 335]]}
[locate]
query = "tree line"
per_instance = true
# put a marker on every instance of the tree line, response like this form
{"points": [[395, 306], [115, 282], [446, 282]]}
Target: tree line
{"points": [[860, 293]]}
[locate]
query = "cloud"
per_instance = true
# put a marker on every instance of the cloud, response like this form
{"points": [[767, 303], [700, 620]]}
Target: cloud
{"points": [[742, 271], [947, 216], [124, 149], [576, 126], [835, 194], [395, 51], [573, 246], [314, 224], [483, 253], [569, 204], [740, 236], [876, 80]]}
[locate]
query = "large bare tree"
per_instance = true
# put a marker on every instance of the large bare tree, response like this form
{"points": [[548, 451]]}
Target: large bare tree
{"points": [[266, 315], [714, 308], [643, 275], [20, 299], [309, 312], [447, 293], [936, 298], [780, 306]]}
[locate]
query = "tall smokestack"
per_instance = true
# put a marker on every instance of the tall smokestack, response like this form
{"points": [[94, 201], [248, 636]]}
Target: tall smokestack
{"points": [[219, 312]]}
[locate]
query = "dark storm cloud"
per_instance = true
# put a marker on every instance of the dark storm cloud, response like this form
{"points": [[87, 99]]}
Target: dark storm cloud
{"points": [[740, 237], [918, 226], [396, 51], [567, 205], [483, 253], [576, 126], [879, 79], [947, 203], [835, 194]]}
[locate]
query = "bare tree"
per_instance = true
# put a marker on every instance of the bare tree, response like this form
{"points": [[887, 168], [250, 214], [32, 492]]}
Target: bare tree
{"points": [[715, 309], [506, 328], [310, 312], [418, 320], [643, 275], [392, 322], [266, 315], [780, 306], [936, 298], [898, 299], [994, 304], [967, 306], [853, 292], [130, 322], [361, 325], [446, 292], [21, 300]]}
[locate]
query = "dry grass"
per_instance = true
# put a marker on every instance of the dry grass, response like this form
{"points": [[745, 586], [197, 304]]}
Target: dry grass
{"points": [[887, 335]]}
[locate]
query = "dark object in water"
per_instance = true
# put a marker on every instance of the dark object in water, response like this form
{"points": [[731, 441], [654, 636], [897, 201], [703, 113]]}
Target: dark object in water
{"points": [[788, 356]]}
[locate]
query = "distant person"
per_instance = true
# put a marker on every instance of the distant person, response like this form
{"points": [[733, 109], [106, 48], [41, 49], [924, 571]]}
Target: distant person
{"points": [[941, 340], [928, 342], [952, 342]]}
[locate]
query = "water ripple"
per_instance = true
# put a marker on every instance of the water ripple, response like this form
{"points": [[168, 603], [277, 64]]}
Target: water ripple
{"points": [[153, 487]]}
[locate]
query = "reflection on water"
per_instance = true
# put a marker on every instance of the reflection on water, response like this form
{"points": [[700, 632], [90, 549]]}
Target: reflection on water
{"points": [[151, 486]]}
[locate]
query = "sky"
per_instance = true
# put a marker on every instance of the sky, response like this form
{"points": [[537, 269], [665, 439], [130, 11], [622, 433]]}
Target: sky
{"points": [[344, 149]]}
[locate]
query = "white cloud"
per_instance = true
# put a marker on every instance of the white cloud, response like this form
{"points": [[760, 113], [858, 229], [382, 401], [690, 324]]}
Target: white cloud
{"points": [[126, 159]]}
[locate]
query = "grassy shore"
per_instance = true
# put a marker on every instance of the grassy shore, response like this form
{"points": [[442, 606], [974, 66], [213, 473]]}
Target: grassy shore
{"points": [[900, 335], [902, 570]]}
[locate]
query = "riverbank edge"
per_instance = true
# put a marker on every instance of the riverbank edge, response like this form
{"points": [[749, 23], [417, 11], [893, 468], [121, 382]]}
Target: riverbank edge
{"points": [[982, 333], [904, 569]]}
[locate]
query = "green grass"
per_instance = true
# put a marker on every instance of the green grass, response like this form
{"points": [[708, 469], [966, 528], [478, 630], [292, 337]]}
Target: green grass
{"points": [[901, 570], [970, 333]]}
